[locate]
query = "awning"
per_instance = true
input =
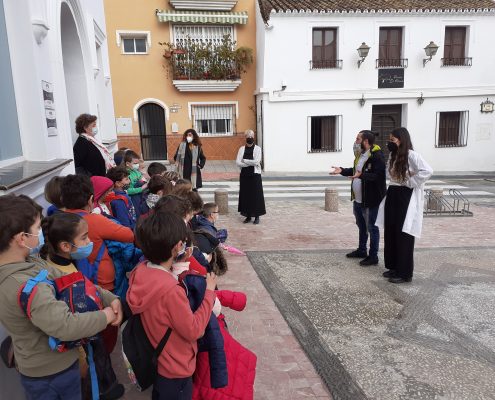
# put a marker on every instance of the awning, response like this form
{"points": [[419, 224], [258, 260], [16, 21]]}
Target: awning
{"points": [[203, 17]]}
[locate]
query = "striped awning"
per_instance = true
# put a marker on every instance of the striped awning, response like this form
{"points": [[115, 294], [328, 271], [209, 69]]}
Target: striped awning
{"points": [[203, 17]]}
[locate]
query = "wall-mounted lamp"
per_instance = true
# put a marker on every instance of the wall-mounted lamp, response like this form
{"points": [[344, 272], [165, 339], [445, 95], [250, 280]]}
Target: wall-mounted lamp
{"points": [[420, 99], [430, 51], [363, 51], [362, 101]]}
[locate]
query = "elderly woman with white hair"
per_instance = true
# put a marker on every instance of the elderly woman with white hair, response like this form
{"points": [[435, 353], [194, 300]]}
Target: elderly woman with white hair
{"points": [[251, 199]]}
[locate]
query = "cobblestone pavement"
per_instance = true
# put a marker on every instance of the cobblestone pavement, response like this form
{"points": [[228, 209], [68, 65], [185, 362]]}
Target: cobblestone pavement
{"points": [[284, 370]]}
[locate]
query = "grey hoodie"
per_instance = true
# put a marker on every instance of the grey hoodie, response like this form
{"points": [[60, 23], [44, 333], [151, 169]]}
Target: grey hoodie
{"points": [[49, 317]]}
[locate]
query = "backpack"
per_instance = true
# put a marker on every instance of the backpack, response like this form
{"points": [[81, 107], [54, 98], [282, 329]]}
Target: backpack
{"points": [[139, 351]]}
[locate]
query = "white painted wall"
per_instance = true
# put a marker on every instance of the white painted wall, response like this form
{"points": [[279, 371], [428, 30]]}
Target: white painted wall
{"points": [[286, 56]]}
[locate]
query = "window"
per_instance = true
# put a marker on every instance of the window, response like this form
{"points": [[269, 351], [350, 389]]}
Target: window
{"points": [[390, 48], [325, 134], [452, 128], [196, 33], [134, 42], [213, 119], [325, 49], [454, 50]]}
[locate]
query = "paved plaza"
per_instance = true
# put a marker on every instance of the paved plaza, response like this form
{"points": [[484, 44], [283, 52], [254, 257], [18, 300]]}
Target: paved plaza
{"points": [[320, 323]]}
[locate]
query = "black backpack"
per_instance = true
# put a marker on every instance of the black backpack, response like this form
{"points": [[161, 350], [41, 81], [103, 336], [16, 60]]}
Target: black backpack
{"points": [[142, 356]]}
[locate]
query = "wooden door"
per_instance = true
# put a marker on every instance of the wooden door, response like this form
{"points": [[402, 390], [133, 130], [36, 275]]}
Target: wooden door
{"points": [[384, 119]]}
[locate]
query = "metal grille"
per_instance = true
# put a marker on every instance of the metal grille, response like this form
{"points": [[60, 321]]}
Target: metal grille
{"points": [[452, 129], [214, 120], [457, 62], [325, 134], [325, 64], [201, 33], [392, 63], [152, 129]]}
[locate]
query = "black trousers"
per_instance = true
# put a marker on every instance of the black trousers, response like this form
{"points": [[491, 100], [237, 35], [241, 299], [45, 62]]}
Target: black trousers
{"points": [[399, 246], [172, 389]]}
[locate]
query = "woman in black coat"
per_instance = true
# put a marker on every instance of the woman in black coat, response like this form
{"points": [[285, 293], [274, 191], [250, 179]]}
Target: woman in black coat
{"points": [[190, 158], [90, 157]]}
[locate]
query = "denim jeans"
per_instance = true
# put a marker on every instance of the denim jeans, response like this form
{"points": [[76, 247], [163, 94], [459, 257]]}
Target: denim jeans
{"points": [[365, 220]]}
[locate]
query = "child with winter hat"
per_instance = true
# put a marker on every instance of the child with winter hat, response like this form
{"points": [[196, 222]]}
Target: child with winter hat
{"points": [[102, 187]]}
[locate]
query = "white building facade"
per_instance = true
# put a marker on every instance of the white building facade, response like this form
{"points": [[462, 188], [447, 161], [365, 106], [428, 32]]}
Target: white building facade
{"points": [[313, 96], [53, 67]]}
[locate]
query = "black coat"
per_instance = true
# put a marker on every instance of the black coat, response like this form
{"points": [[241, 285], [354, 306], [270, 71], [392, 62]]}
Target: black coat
{"points": [[372, 178], [88, 159]]}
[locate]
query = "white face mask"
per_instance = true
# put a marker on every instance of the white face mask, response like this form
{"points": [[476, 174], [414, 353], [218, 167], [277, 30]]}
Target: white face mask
{"points": [[135, 166], [189, 139], [356, 148], [94, 131]]}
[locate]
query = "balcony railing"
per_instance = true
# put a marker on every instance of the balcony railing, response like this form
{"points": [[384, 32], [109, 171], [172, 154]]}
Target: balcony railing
{"points": [[457, 62], [185, 68], [325, 64], [392, 63]]}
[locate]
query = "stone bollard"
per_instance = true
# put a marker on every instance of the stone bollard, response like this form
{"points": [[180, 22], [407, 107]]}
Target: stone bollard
{"points": [[331, 200], [433, 203], [222, 200]]}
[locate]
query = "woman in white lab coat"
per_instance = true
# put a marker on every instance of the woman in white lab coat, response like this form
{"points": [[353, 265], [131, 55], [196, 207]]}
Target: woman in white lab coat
{"points": [[401, 212]]}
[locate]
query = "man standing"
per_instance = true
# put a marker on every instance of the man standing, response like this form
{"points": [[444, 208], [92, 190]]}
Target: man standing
{"points": [[368, 188]]}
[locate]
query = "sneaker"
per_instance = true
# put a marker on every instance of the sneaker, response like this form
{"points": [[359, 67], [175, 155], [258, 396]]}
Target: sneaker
{"points": [[369, 261], [389, 274], [357, 254], [248, 219]]}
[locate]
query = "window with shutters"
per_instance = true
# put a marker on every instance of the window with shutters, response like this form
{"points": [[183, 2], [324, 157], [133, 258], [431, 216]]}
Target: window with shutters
{"points": [[454, 50], [214, 119], [390, 48], [325, 49], [201, 33], [324, 133], [452, 128]]}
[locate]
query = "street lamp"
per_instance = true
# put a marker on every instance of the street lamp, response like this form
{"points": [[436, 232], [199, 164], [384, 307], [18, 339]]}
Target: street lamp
{"points": [[430, 51], [363, 51]]}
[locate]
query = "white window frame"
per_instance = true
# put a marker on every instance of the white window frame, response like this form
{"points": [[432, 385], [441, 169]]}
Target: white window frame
{"points": [[338, 132], [124, 34], [233, 104]]}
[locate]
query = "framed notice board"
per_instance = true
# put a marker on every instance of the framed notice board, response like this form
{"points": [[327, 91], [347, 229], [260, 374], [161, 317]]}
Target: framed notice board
{"points": [[391, 78]]}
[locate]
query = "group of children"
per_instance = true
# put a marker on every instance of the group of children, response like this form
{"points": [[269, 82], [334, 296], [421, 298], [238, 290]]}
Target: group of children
{"points": [[144, 238]]}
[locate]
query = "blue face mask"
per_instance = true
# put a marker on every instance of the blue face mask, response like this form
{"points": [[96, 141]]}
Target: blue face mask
{"points": [[41, 242], [82, 252]]}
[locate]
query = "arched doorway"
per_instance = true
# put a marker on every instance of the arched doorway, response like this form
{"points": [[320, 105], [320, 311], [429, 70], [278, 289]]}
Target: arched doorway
{"points": [[151, 118], [74, 72]]}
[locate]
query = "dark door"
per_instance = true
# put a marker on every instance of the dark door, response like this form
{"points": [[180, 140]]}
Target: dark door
{"points": [[384, 119], [152, 131]]}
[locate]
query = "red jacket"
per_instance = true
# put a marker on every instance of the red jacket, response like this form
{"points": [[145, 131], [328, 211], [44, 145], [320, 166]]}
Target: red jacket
{"points": [[156, 295], [241, 362]]}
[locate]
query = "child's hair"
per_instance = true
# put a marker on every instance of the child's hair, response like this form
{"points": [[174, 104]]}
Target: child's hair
{"points": [[182, 187], [119, 155], [196, 201], [76, 191], [116, 174], [208, 209], [174, 204], [157, 183], [157, 234], [172, 176], [156, 168], [129, 155], [17, 214], [52, 191], [60, 227]]}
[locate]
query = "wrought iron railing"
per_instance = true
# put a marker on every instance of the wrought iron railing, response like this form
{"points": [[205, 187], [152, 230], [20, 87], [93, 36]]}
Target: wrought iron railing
{"points": [[392, 63], [325, 64], [438, 205], [457, 62], [187, 68]]}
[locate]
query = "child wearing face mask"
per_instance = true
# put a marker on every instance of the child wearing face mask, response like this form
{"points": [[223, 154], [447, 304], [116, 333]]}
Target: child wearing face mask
{"points": [[121, 205], [138, 183], [67, 240]]}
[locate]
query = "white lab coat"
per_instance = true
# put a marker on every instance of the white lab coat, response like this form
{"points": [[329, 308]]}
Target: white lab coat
{"points": [[419, 173]]}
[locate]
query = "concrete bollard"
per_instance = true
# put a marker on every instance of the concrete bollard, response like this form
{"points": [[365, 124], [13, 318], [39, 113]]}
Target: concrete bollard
{"points": [[331, 200], [222, 200], [433, 203]]}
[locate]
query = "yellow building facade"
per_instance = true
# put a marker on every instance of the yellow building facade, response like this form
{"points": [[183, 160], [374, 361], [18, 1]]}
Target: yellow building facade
{"points": [[194, 80]]}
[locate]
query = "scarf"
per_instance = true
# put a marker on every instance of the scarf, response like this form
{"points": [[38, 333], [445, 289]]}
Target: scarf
{"points": [[109, 162], [181, 155]]}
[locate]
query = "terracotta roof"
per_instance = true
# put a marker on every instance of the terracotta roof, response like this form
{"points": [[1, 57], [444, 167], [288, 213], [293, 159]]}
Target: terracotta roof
{"points": [[266, 6]]}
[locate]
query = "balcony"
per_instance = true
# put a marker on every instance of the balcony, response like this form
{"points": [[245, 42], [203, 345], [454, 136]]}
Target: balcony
{"points": [[457, 62], [392, 63], [325, 64]]}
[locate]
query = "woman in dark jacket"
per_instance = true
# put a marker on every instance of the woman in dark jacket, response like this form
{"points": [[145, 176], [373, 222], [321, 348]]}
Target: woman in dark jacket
{"points": [[190, 158], [90, 157]]}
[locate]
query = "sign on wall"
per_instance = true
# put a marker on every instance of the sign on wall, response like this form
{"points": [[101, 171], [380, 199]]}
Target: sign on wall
{"points": [[49, 103], [124, 125], [391, 78]]}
